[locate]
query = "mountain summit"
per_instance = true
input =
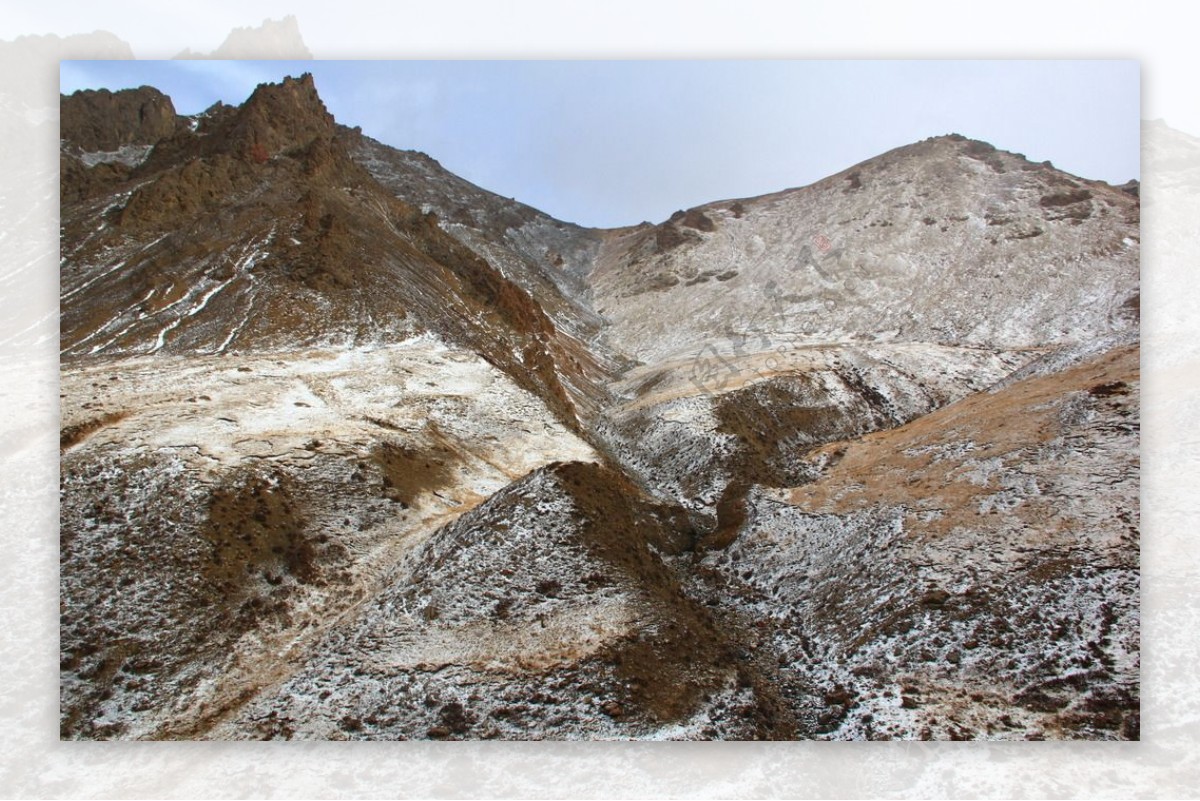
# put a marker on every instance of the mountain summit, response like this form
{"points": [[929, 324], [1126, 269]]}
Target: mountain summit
{"points": [[948, 240], [253, 228], [354, 449]]}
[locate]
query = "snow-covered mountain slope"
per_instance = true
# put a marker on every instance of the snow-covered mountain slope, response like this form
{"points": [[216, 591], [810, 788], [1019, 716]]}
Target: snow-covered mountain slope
{"points": [[546, 612], [974, 573], [701, 432], [220, 513], [971, 574], [355, 449], [948, 241], [764, 326]]}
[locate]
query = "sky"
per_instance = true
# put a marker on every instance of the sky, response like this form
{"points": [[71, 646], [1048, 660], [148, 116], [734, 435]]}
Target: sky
{"points": [[612, 143]]}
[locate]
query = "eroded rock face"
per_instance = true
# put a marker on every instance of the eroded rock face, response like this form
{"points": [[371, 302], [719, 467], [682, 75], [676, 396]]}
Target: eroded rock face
{"points": [[353, 449], [96, 120], [255, 229]]}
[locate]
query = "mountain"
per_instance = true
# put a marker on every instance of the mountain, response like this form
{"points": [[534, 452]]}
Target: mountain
{"points": [[252, 227], [276, 39], [352, 448], [948, 240]]}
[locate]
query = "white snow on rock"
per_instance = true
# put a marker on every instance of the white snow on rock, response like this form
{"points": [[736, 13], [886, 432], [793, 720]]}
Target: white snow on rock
{"points": [[129, 155]]}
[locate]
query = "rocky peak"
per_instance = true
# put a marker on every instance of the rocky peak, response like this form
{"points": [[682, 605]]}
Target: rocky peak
{"points": [[273, 39], [281, 117], [100, 120]]}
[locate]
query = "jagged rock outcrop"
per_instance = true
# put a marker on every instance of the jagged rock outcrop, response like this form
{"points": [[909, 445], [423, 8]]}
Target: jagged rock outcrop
{"points": [[253, 228], [275, 39], [96, 120]]}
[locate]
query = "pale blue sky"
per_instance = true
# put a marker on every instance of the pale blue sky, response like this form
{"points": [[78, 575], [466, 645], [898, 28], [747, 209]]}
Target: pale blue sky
{"points": [[610, 143]]}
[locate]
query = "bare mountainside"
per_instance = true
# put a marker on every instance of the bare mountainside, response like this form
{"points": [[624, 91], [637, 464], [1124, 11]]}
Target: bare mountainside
{"points": [[948, 240], [353, 449]]}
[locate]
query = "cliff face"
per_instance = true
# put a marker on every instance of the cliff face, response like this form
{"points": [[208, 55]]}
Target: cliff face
{"points": [[100, 120], [352, 448]]}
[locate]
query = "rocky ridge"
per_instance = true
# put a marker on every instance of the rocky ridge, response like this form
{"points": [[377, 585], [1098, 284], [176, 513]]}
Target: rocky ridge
{"points": [[280, 228]]}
